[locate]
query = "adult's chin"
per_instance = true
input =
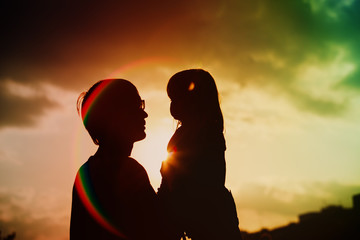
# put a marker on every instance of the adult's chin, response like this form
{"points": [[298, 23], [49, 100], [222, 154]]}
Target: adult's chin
{"points": [[140, 137]]}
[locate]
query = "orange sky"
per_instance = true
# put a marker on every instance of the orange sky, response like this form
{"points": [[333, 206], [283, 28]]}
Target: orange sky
{"points": [[288, 78]]}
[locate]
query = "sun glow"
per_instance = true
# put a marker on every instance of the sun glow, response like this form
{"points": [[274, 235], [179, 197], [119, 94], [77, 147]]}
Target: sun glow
{"points": [[152, 151]]}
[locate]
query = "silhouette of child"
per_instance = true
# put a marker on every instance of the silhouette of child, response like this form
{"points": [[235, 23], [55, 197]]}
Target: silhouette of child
{"points": [[112, 195], [192, 190]]}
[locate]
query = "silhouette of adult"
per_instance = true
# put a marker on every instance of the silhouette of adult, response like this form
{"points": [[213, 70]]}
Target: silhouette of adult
{"points": [[192, 190], [112, 195]]}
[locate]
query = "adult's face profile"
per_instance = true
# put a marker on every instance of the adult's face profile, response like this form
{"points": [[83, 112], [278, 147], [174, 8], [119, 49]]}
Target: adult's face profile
{"points": [[116, 113]]}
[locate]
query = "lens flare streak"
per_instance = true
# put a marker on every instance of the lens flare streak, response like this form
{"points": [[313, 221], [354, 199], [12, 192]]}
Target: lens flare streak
{"points": [[88, 198]]}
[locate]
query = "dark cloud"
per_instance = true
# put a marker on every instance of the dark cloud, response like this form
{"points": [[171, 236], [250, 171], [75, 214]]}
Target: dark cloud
{"points": [[21, 111], [319, 105], [353, 81], [72, 43]]}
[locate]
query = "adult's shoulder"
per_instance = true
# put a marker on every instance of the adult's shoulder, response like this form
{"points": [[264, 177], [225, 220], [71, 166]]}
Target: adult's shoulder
{"points": [[84, 169], [136, 168], [138, 178], [132, 162]]}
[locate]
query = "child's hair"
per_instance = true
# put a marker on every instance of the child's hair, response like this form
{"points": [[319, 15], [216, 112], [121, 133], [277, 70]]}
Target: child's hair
{"points": [[198, 87], [97, 105]]}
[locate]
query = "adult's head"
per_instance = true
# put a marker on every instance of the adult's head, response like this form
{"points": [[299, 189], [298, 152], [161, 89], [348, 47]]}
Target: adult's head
{"points": [[194, 98], [112, 110]]}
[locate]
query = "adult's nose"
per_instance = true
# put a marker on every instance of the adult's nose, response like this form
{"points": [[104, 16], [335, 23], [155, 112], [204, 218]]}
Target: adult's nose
{"points": [[145, 114]]}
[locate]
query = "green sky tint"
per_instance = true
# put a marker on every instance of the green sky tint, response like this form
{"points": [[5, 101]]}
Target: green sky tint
{"points": [[300, 34], [288, 73]]}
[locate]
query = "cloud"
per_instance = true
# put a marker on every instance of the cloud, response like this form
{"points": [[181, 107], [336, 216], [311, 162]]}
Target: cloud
{"points": [[20, 213], [282, 38], [353, 81], [331, 8], [324, 107], [72, 43], [21, 106], [259, 43], [284, 202]]}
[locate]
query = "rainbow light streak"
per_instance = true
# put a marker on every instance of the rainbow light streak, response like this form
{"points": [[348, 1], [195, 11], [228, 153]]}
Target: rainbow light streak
{"points": [[82, 181], [92, 98], [88, 198]]}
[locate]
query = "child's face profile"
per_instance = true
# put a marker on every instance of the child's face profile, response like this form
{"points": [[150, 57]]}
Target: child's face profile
{"points": [[177, 110], [183, 99], [183, 109]]}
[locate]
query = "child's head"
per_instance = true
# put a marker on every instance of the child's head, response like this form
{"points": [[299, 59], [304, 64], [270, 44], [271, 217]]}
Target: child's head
{"points": [[194, 98], [112, 110]]}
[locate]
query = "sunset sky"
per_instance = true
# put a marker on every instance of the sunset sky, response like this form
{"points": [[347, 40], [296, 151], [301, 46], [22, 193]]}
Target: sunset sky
{"points": [[288, 74]]}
